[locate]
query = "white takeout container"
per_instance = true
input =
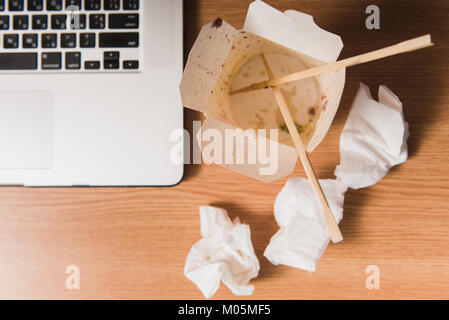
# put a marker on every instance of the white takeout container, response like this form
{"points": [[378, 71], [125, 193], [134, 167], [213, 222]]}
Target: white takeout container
{"points": [[219, 54]]}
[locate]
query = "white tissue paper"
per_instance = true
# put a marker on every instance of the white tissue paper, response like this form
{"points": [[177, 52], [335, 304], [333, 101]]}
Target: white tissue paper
{"points": [[374, 139], [303, 236], [224, 254]]}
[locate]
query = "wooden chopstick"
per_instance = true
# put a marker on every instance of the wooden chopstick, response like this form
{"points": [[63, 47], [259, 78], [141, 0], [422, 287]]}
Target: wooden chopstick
{"points": [[329, 219], [402, 47]]}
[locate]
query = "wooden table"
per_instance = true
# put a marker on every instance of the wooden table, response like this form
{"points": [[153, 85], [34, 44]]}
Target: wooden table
{"points": [[131, 243]]}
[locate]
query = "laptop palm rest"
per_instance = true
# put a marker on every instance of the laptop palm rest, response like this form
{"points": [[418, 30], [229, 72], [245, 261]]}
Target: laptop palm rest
{"points": [[26, 129]]}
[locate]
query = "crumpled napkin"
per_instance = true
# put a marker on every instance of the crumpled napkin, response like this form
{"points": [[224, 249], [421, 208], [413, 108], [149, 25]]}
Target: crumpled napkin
{"points": [[303, 236], [224, 254], [374, 139]]}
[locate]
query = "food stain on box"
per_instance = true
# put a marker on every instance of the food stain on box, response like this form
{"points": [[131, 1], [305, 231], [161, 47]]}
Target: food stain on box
{"points": [[258, 109]]}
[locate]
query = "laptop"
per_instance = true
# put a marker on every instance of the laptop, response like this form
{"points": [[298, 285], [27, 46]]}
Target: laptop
{"points": [[89, 92]]}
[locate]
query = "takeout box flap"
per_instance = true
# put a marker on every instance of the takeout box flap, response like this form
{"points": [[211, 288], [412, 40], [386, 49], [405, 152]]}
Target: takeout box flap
{"points": [[294, 30], [277, 164], [205, 64]]}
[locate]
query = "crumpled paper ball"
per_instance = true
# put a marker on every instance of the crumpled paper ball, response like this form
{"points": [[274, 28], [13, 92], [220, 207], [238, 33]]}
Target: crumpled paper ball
{"points": [[303, 236], [224, 254]]}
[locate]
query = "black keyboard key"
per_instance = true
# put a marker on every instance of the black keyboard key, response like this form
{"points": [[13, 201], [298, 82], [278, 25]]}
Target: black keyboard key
{"points": [[51, 61], [29, 40], [40, 22], [87, 40], [110, 65], [20, 22], [131, 4], [111, 55], [15, 5], [18, 61], [35, 5], [123, 21], [92, 4], [92, 65], [2, 5], [111, 4], [59, 21], [68, 40], [10, 41], [119, 40], [73, 5], [77, 21], [54, 5], [131, 64], [73, 60], [49, 40], [97, 21], [4, 22]]}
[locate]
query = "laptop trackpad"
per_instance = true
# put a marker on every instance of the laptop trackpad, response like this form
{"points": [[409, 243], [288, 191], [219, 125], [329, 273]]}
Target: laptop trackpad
{"points": [[26, 129]]}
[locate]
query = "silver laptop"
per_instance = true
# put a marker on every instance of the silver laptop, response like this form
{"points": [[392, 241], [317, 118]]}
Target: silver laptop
{"points": [[89, 92]]}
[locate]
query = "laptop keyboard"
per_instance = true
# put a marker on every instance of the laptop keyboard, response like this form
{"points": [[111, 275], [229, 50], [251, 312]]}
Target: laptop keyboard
{"points": [[70, 35]]}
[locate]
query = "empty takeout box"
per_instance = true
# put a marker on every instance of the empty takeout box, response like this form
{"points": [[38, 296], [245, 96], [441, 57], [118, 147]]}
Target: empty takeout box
{"points": [[224, 60]]}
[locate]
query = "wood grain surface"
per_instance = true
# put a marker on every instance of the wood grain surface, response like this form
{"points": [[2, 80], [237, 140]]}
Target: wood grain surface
{"points": [[131, 243]]}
